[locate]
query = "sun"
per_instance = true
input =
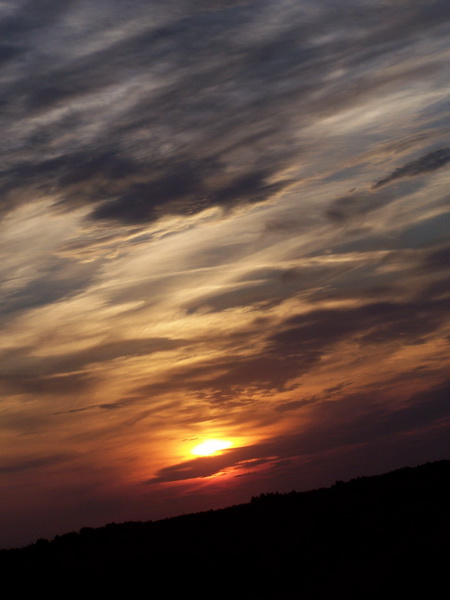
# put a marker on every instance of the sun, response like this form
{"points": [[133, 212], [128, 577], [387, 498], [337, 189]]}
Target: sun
{"points": [[211, 447]]}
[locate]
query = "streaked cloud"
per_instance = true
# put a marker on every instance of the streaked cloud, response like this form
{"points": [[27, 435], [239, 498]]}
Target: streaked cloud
{"points": [[218, 219], [425, 164]]}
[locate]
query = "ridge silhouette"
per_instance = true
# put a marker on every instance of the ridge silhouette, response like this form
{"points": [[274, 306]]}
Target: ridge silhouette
{"points": [[371, 537]]}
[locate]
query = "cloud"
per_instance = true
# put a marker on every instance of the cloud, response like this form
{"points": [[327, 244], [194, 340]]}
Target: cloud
{"points": [[161, 119], [49, 283], [210, 465], [33, 464], [425, 164], [438, 259], [262, 288], [37, 385], [197, 234], [362, 418], [199, 467], [355, 419], [356, 205], [54, 371], [295, 346], [295, 404], [310, 334], [183, 190]]}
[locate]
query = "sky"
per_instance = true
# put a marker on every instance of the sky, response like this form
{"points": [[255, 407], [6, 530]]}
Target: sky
{"points": [[219, 220]]}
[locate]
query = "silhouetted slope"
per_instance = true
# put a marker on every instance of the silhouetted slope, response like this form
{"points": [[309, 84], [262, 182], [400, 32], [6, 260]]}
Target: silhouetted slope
{"points": [[372, 537]]}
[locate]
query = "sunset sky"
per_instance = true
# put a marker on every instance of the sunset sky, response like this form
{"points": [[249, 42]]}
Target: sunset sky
{"points": [[219, 220]]}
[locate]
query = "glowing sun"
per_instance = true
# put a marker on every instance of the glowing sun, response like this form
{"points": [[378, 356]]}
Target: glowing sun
{"points": [[211, 447]]}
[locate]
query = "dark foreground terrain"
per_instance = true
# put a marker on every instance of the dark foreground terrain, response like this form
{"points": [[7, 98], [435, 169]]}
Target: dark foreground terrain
{"points": [[373, 537]]}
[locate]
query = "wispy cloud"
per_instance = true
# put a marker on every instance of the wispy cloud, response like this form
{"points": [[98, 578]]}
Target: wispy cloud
{"points": [[425, 164], [201, 237]]}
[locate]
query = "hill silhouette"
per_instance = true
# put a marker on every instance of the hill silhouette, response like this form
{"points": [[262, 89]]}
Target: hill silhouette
{"points": [[372, 537]]}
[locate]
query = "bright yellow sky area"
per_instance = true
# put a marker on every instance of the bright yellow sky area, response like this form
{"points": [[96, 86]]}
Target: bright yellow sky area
{"points": [[211, 447]]}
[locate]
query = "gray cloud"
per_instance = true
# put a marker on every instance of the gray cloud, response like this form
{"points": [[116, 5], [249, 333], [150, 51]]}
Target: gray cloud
{"points": [[356, 204], [204, 94], [296, 345], [439, 259], [262, 288], [25, 372], [55, 280], [426, 233], [375, 322], [425, 164]]}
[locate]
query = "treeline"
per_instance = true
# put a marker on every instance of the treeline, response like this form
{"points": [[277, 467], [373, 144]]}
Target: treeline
{"points": [[371, 537]]}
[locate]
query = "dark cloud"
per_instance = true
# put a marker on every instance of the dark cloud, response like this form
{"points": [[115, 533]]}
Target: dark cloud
{"points": [[364, 418], [424, 233], [261, 288], [232, 379], [183, 190], [198, 467], [439, 288], [117, 349], [9, 51], [56, 373], [425, 164], [356, 205], [46, 385], [301, 341], [209, 119], [295, 404], [56, 280], [32, 464], [436, 263], [336, 388], [438, 259], [29, 17], [132, 192], [209, 465], [105, 406], [377, 322]]}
